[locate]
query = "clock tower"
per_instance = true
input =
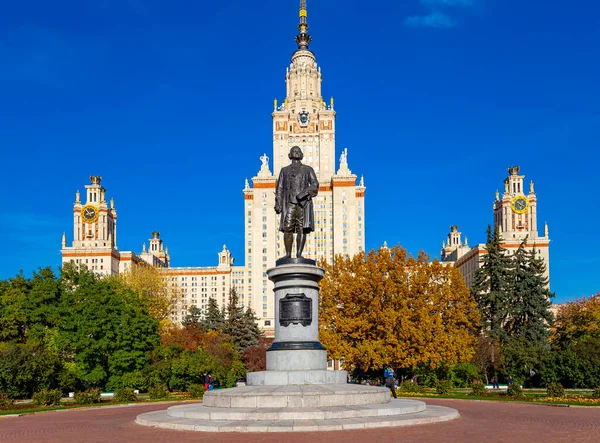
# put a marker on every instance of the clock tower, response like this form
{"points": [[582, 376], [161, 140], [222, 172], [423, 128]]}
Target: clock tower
{"points": [[516, 212], [515, 215], [94, 231]]}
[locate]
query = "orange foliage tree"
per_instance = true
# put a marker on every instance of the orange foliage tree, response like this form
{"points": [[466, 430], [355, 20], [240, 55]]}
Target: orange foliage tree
{"points": [[389, 308]]}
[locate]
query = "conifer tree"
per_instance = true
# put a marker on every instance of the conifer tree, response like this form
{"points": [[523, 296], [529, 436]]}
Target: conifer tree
{"points": [[539, 301], [491, 286], [518, 295], [194, 317], [240, 325], [529, 314], [215, 318]]}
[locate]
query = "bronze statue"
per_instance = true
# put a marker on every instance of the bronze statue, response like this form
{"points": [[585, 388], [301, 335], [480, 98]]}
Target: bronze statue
{"points": [[296, 186]]}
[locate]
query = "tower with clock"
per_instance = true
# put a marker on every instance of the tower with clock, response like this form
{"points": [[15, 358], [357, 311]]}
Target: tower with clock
{"points": [[515, 215], [516, 212], [94, 231]]}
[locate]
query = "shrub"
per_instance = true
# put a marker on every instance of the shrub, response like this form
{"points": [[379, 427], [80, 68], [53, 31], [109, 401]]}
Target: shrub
{"points": [[478, 388], [444, 387], [555, 390], [88, 396], [463, 374], [136, 379], [514, 390], [158, 392], [5, 401], [47, 397], [195, 391], [409, 386], [596, 393], [124, 395]]}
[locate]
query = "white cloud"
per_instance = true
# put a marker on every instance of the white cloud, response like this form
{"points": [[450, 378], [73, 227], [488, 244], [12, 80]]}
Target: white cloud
{"points": [[434, 19], [440, 14]]}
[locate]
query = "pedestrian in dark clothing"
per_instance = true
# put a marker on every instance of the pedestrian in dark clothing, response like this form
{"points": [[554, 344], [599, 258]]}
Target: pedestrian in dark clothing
{"points": [[510, 381], [211, 382], [388, 374], [206, 381], [495, 384]]}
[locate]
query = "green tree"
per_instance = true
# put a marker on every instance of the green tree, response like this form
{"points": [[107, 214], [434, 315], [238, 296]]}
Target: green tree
{"points": [[13, 309], [105, 329], [492, 284], [529, 303], [42, 306], [25, 369], [240, 325], [194, 316], [215, 318]]}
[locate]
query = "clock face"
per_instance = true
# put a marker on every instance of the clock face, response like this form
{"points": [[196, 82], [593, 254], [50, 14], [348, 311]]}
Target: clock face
{"points": [[89, 214], [303, 118], [520, 205]]}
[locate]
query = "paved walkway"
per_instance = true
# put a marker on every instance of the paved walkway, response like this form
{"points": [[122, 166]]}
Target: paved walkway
{"points": [[479, 422]]}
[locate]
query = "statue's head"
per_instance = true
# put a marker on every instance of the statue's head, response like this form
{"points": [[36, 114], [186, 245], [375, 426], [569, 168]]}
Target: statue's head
{"points": [[296, 153]]}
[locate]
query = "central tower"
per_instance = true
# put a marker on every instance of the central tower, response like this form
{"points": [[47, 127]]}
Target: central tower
{"points": [[303, 119]]}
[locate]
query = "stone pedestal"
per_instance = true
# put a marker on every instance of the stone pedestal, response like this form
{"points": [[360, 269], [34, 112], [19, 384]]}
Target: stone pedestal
{"points": [[296, 356]]}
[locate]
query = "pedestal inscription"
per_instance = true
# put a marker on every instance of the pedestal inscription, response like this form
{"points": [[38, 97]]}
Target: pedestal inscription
{"points": [[295, 309]]}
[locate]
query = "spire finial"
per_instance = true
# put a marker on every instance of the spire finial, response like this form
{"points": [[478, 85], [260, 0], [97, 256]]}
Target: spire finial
{"points": [[303, 39]]}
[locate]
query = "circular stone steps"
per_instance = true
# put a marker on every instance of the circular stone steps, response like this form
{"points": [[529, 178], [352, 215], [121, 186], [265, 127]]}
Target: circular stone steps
{"points": [[161, 419], [296, 408], [202, 412], [297, 396]]}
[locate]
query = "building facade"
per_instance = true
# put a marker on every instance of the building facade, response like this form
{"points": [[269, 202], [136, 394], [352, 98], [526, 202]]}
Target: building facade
{"points": [[303, 119], [515, 215]]}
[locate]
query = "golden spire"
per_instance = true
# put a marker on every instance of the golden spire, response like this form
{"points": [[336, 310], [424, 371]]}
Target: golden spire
{"points": [[303, 39]]}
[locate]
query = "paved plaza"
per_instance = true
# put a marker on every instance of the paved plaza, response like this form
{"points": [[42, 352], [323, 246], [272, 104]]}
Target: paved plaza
{"points": [[479, 422]]}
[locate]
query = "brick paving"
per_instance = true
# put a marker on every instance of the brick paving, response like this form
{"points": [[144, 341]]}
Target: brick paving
{"points": [[479, 422]]}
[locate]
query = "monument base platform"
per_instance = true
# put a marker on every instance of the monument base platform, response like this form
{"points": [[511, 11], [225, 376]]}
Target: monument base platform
{"points": [[290, 409], [286, 378], [301, 360]]}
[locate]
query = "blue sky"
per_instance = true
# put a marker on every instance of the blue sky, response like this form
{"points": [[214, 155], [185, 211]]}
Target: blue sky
{"points": [[171, 101]]}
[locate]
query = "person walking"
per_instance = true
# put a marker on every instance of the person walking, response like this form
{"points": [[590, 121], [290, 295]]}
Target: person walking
{"points": [[211, 382], [509, 381], [388, 375], [206, 381], [495, 384]]}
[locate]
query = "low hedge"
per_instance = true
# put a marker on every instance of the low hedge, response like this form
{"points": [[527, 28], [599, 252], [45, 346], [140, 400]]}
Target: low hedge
{"points": [[47, 397]]}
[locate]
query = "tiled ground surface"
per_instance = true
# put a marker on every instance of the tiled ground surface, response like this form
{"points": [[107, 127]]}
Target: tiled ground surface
{"points": [[479, 422]]}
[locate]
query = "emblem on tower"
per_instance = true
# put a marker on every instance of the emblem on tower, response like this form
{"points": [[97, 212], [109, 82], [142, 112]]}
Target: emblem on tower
{"points": [[303, 118]]}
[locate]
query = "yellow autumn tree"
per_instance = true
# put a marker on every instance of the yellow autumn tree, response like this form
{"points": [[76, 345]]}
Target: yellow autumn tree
{"points": [[150, 284], [389, 308], [577, 321]]}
